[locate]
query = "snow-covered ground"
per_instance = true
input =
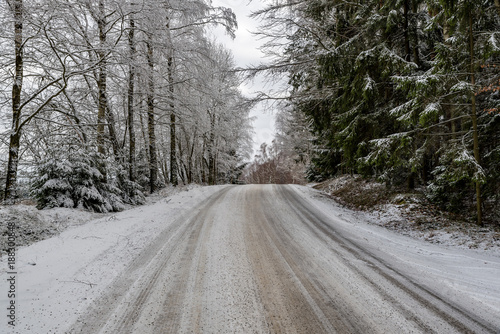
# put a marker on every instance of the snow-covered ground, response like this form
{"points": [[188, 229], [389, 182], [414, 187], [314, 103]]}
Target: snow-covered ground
{"points": [[474, 273], [58, 278], [409, 214], [32, 225]]}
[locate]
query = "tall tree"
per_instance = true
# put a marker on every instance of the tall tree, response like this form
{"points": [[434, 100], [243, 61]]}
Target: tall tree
{"points": [[17, 9], [102, 75], [170, 77], [153, 164], [130, 97]]}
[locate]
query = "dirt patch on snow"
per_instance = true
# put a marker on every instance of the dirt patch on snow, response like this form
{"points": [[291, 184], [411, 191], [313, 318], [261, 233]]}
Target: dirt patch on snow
{"points": [[409, 213], [356, 192]]}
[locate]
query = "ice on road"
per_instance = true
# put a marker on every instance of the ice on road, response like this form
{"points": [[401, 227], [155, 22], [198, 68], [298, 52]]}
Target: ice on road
{"points": [[249, 259]]}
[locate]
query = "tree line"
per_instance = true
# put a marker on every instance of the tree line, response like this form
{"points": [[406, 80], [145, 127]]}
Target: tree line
{"points": [[102, 101], [405, 91]]}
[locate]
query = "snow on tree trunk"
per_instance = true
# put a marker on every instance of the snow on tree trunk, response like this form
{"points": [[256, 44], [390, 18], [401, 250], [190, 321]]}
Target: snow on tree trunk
{"points": [[170, 74], [211, 151], [153, 164], [11, 181], [101, 83], [130, 102]]}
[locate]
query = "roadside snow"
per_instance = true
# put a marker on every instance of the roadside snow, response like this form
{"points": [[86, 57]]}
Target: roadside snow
{"points": [[408, 214], [463, 274], [59, 277], [33, 225]]}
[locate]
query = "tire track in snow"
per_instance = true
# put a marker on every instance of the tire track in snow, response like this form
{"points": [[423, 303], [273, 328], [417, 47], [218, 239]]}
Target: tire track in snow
{"points": [[120, 307], [288, 306], [428, 310]]}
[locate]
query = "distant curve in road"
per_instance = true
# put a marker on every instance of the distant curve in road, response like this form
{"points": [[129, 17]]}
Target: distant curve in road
{"points": [[261, 259]]}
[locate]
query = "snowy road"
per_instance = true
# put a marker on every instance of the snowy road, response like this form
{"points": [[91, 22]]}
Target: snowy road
{"points": [[259, 259]]}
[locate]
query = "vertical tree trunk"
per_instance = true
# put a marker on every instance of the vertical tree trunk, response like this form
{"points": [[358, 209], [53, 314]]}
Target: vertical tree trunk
{"points": [[102, 77], [130, 102], [173, 155], [474, 123], [202, 162], [211, 149], [11, 181], [153, 164], [190, 160], [145, 139], [181, 166], [450, 109], [173, 147], [110, 120]]}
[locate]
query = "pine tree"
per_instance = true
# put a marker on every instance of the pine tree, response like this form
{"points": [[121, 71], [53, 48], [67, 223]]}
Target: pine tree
{"points": [[401, 90]]}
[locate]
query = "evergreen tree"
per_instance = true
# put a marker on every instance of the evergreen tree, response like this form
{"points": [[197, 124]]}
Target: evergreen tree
{"points": [[402, 90], [74, 180]]}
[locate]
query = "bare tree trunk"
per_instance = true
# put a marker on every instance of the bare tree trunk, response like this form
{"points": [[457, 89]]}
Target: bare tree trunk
{"points": [[131, 88], [102, 77], [143, 129], [11, 181], [173, 155], [153, 164], [211, 153], [110, 119], [180, 164], [173, 147], [477, 156], [203, 162], [190, 156], [416, 56]]}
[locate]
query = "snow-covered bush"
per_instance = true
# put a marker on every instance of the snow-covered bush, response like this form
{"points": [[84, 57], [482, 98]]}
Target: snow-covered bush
{"points": [[50, 187], [75, 180]]}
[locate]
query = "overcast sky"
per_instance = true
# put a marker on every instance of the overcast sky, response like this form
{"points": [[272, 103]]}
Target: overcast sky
{"points": [[245, 48]]}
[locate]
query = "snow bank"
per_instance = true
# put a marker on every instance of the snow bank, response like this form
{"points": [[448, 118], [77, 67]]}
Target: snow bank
{"points": [[409, 214], [58, 277], [32, 225]]}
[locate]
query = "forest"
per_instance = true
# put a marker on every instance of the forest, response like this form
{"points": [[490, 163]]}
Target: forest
{"points": [[406, 92], [105, 101]]}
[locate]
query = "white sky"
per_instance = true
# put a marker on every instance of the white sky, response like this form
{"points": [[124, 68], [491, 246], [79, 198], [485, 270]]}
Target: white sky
{"points": [[245, 48]]}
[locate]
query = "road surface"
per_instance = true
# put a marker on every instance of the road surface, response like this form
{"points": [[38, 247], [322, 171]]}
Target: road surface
{"points": [[263, 259]]}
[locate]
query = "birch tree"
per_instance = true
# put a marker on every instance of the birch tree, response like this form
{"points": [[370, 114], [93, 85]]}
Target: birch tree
{"points": [[106, 89], [38, 55]]}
